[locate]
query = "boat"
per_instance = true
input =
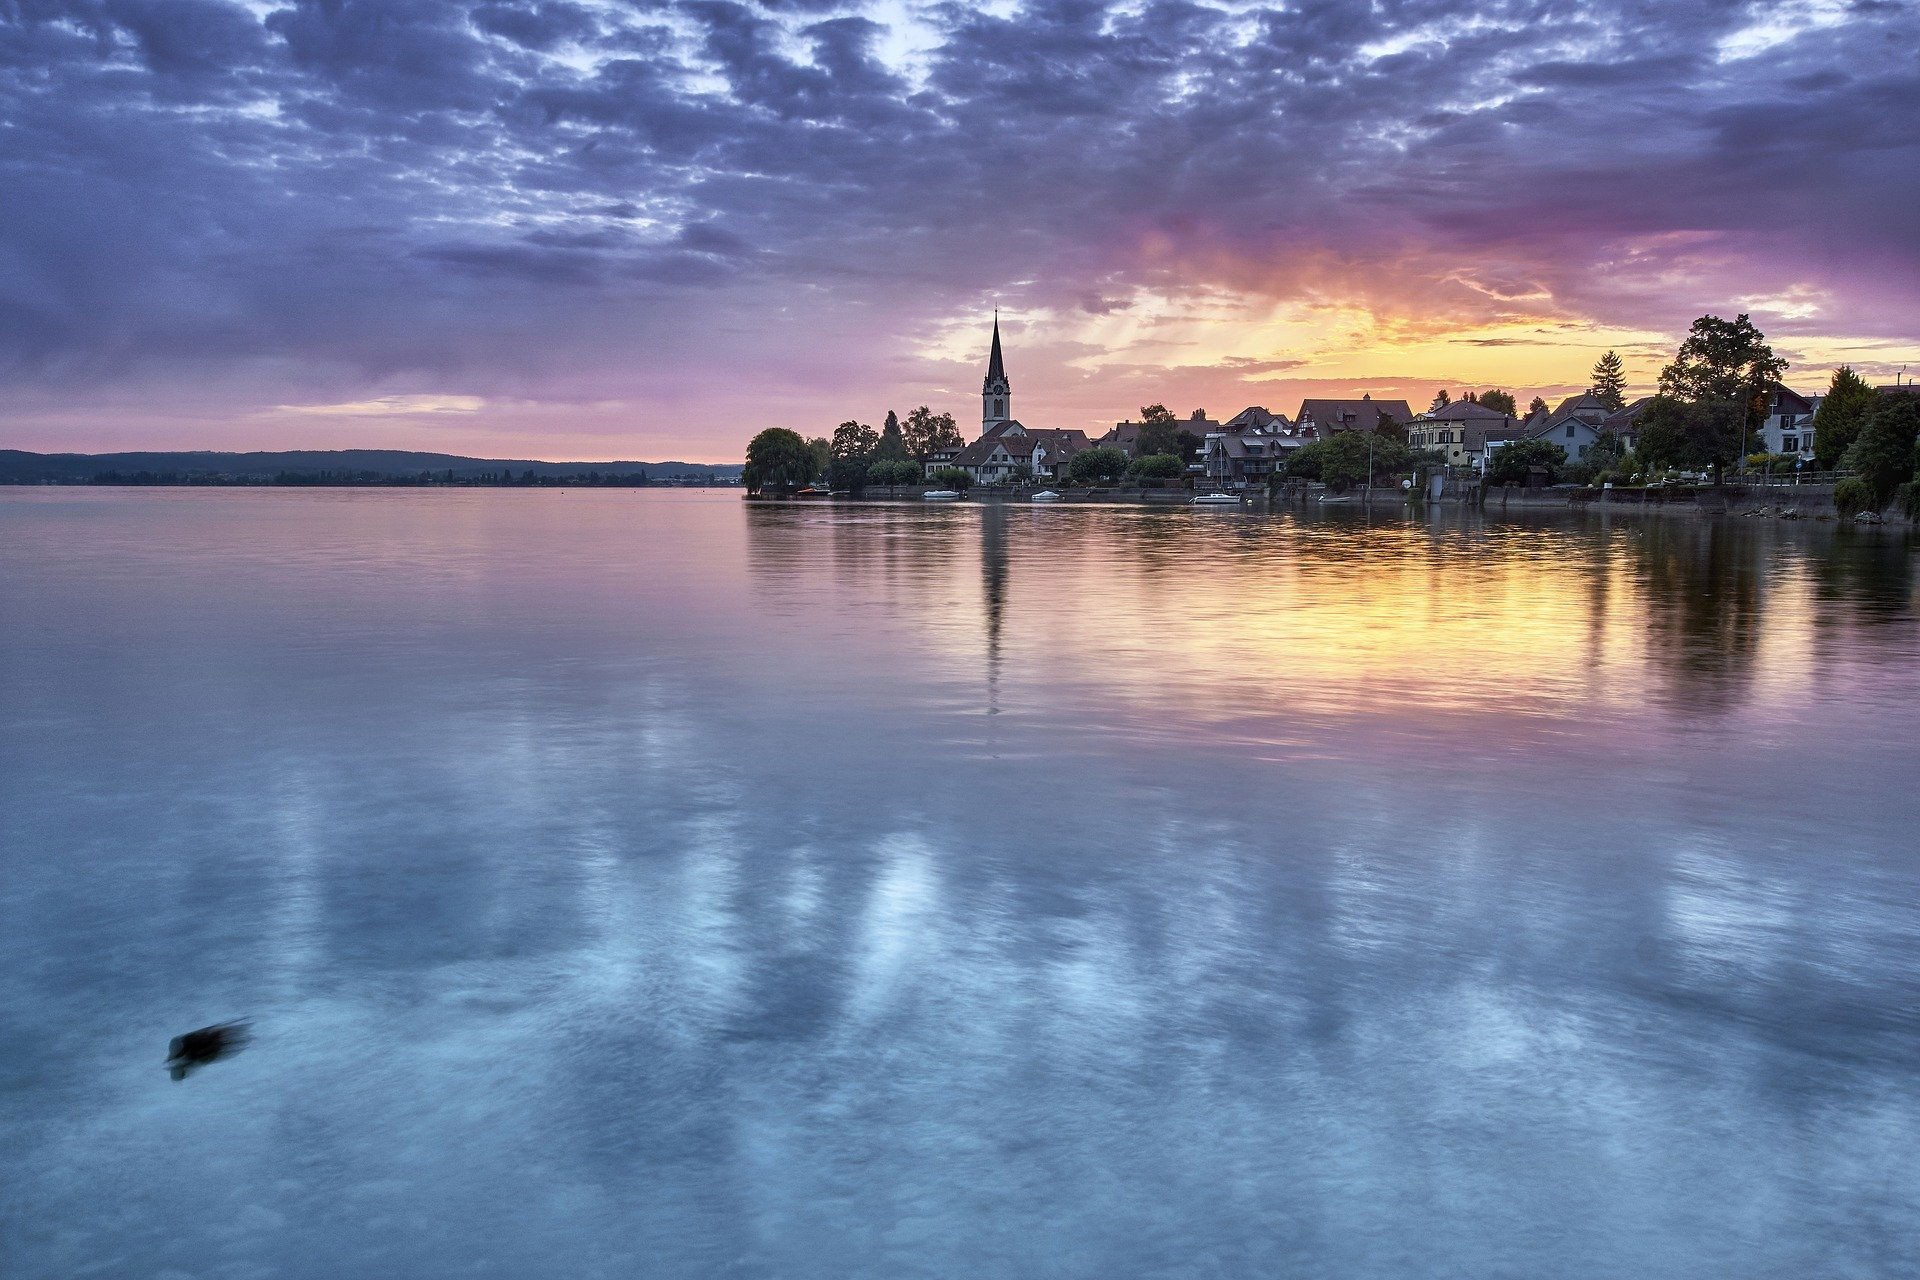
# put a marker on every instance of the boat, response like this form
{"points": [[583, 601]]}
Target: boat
{"points": [[941, 495], [1216, 499], [1336, 497], [1045, 495]]}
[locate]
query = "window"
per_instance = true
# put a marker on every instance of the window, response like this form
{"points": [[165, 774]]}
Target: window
{"points": [[1569, 431], [1790, 444]]}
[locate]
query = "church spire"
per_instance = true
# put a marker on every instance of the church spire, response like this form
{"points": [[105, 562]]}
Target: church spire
{"points": [[996, 393], [996, 371]]}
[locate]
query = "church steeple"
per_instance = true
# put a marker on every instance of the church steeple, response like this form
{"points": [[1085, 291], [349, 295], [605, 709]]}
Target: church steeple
{"points": [[996, 393]]}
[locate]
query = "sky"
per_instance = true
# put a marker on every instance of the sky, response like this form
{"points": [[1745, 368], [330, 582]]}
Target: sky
{"points": [[624, 230]]}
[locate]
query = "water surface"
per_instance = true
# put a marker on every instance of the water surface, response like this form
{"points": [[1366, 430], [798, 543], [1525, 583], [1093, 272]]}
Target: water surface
{"points": [[656, 884]]}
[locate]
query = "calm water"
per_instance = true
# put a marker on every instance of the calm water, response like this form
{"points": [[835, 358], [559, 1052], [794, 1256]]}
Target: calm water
{"points": [[634, 884]]}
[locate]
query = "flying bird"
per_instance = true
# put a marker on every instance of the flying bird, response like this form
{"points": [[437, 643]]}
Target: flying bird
{"points": [[208, 1044]]}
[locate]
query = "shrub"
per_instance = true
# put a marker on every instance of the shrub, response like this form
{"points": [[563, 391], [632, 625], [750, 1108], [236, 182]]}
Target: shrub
{"points": [[951, 478], [1102, 463], [1157, 466], [1852, 496]]}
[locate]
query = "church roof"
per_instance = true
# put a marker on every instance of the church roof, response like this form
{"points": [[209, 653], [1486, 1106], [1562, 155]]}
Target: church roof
{"points": [[996, 370]]}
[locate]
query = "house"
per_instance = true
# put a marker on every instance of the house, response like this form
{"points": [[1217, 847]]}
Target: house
{"points": [[1482, 440], [1010, 450], [1575, 425], [1125, 436], [1460, 431], [1252, 457], [1788, 427], [1624, 423], [1364, 414]]}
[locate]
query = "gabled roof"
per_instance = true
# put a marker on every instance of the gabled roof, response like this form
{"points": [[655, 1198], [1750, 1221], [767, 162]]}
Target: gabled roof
{"points": [[1784, 400], [1353, 415], [1627, 418], [1255, 417], [1020, 442], [1590, 409], [1461, 411]]}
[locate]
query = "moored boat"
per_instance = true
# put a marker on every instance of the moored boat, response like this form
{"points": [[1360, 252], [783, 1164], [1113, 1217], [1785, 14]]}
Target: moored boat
{"points": [[1216, 500], [1045, 495], [941, 495]]}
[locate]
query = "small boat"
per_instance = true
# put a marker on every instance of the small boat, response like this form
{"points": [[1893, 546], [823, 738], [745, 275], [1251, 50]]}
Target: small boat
{"points": [[941, 495], [1045, 495], [1216, 499], [1336, 497]]}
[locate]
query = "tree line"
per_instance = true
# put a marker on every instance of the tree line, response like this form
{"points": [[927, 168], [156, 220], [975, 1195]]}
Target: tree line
{"points": [[855, 456]]}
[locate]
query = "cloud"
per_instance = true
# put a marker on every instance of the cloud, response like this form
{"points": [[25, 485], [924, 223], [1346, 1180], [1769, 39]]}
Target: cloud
{"points": [[390, 406], [704, 206]]}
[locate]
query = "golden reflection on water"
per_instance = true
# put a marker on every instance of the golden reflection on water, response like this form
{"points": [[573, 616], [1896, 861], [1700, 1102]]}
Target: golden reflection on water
{"points": [[1271, 628]]}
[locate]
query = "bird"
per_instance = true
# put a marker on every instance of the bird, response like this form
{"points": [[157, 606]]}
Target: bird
{"points": [[208, 1044]]}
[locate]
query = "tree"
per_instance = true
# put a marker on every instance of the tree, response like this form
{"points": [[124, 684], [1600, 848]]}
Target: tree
{"points": [[1440, 401], [927, 432], [1499, 401], [1189, 444], [892, 446], [1842, 412], [1385, 427], [1725, 362], [1609, 384], [1157, 466], [1513, 463], [1348, 457], [1158, 435], [778, 457], [1676, 433], [951, 478], [1538, 406], [1151, 413], [1101, 463], [1883, 454], [854, 441], [891, 472], [822, 455]]}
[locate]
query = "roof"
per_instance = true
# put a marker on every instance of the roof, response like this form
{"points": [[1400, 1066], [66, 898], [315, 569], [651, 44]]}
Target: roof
{"points": [[1350, 415], [1125, 436], [1461, 411], [1626, 419], [1255, 417], [996, 369], [1786, 400], [1590, 409], [1020, 443]]}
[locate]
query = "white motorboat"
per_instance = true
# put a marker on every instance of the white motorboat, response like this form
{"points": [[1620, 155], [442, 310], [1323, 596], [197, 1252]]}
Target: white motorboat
{"points": [[1336, 497], [1216, 499], [941, 495], [1045, 495]]}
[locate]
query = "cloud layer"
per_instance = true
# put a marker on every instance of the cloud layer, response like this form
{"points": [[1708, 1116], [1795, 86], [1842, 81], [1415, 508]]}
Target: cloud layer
{"points": [[666, 225]]}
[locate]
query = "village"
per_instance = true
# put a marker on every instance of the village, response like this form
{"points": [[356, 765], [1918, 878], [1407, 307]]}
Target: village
{"points": [[1706, 421]]}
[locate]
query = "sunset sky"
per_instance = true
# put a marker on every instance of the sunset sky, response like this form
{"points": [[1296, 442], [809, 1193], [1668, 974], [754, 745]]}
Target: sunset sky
{"points": [[611, 230]]}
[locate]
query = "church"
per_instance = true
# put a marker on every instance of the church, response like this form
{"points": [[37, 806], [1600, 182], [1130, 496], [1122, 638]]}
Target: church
{"points": [[1008, 451]]}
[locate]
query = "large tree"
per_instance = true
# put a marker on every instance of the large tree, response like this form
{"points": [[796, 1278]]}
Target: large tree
{"points": [[1609, 384], [1158, 435], [1842, 412], [854, 441], [1884, 453], [1101, 463], [893, 444], [1678, 433], [1538, 406], [1499, 401], [778, 457], [1440, 401], [1725, 362], [928, 432], [1156, 413]]}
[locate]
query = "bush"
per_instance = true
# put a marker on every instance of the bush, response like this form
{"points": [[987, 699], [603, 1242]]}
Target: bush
{"points": [[1157, 466], [892, 473], [1852, 496], [951, 478], [1102, 463], [1512, 463]]}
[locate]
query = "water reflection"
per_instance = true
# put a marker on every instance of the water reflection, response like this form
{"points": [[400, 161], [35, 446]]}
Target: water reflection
{"points": [[1330, 898]]}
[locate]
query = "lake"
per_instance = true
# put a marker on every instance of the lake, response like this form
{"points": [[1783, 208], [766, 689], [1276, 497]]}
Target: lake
{"points": [[653, 883]]}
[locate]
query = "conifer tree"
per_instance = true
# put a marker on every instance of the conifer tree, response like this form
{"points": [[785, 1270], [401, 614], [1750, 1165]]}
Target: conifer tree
{"points": [[1609, 381]]}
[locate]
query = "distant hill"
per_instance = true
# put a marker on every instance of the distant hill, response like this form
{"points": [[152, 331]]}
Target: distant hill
{"points": [[331, 466]]}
